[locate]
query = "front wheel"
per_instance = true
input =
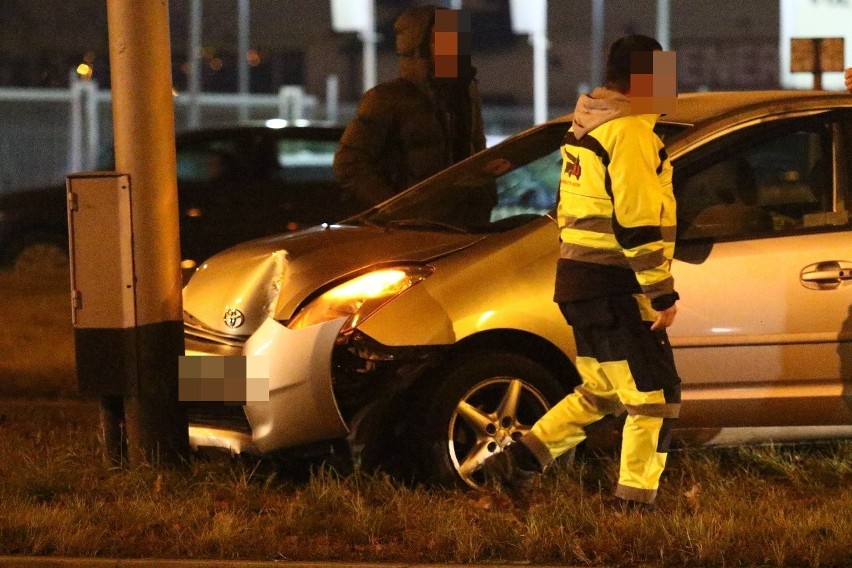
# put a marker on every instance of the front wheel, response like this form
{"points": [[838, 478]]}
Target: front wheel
{"points": [[484, 403]]}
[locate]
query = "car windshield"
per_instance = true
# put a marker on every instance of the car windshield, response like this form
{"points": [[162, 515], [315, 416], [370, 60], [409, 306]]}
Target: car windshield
{"points": [[496, 190]]}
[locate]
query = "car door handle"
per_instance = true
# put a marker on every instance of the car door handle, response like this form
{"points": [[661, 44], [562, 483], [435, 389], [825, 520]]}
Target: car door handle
{"points": [[826, 275]]}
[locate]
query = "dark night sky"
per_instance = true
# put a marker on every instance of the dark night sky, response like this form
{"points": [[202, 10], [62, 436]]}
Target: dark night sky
{"points": [[40, 40]]}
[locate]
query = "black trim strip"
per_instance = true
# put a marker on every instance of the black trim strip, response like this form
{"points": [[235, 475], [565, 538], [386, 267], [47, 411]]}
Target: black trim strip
{"points": [[663, 157]]}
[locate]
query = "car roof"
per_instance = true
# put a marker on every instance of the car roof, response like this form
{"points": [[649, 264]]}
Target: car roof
{"points": [[698, 108]]}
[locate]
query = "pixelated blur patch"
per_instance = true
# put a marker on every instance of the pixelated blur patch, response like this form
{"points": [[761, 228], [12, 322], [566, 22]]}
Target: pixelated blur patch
{"points": [[227, 379], [446, 66], [452, 21], [642, 62], [654, 91], [446, 43]]}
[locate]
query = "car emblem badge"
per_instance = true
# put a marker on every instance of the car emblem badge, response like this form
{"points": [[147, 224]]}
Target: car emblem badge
{"points": [[234, 318]]}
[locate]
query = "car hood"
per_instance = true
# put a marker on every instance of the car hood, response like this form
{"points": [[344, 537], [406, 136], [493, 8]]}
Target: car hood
{"points": [[247, 278]]}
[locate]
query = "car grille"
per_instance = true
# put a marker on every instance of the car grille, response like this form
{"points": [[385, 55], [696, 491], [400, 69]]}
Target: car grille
{"points": [[200, 338], [214, 414]]}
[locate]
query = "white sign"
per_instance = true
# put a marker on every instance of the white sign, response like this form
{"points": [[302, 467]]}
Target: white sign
{"points": [[351, 15], [814, 19], [528, 16]]}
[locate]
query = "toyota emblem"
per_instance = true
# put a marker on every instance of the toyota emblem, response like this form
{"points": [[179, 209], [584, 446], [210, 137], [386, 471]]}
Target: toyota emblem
{"points": [[234, 318]]}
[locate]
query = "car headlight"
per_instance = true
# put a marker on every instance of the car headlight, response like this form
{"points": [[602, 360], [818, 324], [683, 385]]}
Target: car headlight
{"points": [[359, 297]]}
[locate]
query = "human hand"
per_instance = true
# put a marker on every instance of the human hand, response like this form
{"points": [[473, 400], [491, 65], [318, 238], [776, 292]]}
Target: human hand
{"points": [[849, 79], [665, 318]]}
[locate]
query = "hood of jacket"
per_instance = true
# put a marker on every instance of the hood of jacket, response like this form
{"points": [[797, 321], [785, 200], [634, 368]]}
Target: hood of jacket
{"points": [[413, 43], [601, 106]]}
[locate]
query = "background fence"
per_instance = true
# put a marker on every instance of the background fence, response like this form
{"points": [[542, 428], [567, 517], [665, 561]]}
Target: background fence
{"points": [[47, 133]]}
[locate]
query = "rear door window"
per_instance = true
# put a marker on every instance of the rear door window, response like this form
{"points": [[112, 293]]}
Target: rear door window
{"points": [[301, 161]]}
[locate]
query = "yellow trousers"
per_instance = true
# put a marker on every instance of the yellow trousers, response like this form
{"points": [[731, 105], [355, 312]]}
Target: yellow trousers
{"points": [[623, 365]]}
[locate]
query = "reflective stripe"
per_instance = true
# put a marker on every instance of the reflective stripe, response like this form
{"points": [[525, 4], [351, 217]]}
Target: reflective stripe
{"points": [[669, 233], [635, 494], [671, 410], [538, 448], [595, 224], [572, 251], [648, 261], [601, 404], [659, 288]]}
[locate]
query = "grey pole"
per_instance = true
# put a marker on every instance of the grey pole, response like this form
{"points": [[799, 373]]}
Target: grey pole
{"points": [[143, 123], [75, 148], [596, 68], [193, 49], [368, 37], [92, 124], [242, 57], [663, 25], [332, 90], [539, 43]]}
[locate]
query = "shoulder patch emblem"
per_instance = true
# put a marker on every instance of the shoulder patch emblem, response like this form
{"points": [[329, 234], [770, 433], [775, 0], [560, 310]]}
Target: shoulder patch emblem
{"points": [[573, 169]]}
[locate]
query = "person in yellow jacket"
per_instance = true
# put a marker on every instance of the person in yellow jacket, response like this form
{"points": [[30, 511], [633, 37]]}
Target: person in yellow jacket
{"points": [[616, 216]]}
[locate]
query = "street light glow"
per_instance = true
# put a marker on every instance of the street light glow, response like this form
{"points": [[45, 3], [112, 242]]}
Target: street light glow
{"points": [[84, 70]]}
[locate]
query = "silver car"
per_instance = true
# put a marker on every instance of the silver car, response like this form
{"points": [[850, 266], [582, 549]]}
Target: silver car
{"points": [[424, 330]]}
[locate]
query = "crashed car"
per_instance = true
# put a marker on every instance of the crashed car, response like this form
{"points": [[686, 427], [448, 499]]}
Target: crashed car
{"points": [[424, 329]]}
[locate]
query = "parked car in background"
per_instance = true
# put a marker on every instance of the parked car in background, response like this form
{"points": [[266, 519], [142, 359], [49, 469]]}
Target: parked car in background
{"points": [[425, 327], [234, 184]]}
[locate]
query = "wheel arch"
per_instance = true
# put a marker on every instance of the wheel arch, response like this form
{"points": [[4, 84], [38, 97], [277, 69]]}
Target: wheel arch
{"points": [[522, 343], [388, 417]]}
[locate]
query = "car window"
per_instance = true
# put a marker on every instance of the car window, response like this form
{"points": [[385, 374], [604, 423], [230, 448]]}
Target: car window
{"points": [[302, 161], [528, 189], [773, 180], [208, 160], [498, 189]]}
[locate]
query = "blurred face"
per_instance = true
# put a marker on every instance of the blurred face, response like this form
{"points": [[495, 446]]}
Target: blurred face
{"points": [[451, 45], [653, 82]]}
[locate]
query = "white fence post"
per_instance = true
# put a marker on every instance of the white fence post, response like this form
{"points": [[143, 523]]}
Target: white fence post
{"points": [[90, 88], [84, 124], [291, 102], [75, 148], [332, 89]]}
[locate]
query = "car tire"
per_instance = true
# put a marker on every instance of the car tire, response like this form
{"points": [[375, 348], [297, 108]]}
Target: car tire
{"points": [[461, 423]]}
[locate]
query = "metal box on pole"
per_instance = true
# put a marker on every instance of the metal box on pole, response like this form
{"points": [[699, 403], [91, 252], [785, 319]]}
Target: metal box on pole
{"points": [[103, 281]]}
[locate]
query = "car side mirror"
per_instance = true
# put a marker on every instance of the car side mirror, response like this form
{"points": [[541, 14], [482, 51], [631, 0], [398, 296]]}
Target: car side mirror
{"points": [[693, 251]]}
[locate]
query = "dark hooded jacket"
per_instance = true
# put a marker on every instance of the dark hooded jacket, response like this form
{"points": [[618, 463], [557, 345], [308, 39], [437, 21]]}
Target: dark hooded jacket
{"points": [[411, 127]]}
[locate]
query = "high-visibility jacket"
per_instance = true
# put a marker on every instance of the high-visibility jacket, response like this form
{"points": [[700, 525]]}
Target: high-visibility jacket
{"points": [[616, 208]]}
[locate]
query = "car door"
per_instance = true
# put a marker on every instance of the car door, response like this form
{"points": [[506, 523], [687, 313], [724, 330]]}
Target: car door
{"points": [[764, 271]]}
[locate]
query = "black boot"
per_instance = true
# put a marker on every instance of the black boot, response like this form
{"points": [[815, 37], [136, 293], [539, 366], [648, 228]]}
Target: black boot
{"points": [[513, 470]]}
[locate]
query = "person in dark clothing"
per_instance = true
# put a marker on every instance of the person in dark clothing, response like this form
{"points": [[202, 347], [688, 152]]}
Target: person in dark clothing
{"points": [[616, 216], [421, 122]]}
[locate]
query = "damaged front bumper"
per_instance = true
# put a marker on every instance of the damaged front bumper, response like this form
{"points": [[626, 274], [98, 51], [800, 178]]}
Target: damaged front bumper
{"points": [[322, 386]]}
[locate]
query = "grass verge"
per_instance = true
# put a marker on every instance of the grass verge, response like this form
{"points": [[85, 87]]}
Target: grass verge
{"points": [[36, 338], [766, 506]]}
